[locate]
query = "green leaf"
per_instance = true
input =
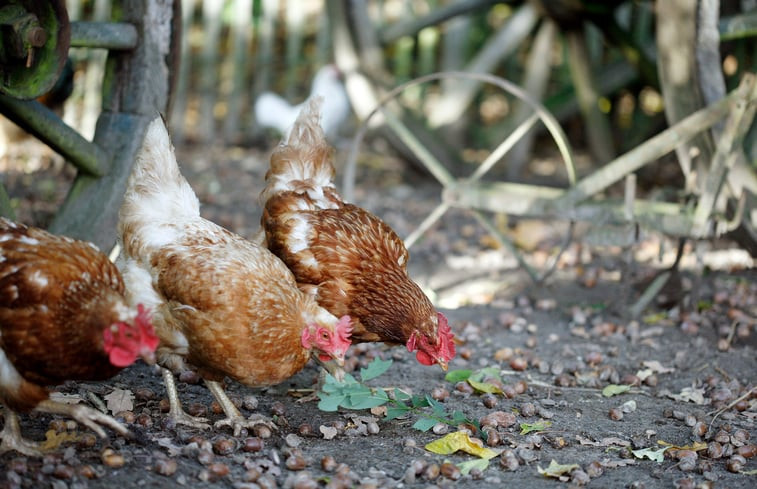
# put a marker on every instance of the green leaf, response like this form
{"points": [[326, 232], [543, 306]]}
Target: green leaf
{"points": [[374, 369], [401, 395], [418, 401], [479, 463], [330, 403], [459, 417], [424, 424], [484, 387], [396, 412], [614, 390], [436, 406], [526, 428], [650, 453], [482, 373], [455, 376], [363, 401], [349, 380]]}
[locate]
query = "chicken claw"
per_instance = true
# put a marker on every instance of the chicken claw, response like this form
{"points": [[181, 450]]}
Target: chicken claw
{"points": [[234, 418], [176, 412], [85, 415], [11, 439], [239, 422]]}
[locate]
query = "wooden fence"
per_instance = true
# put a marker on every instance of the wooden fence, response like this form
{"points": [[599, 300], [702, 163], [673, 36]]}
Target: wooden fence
{"points": [[233, 50]]}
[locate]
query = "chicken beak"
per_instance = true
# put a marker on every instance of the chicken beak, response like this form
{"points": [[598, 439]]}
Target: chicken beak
{"points": [[339, 360], [442, 364]]}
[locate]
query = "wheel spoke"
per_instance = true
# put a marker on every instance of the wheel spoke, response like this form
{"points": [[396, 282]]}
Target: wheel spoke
{"points": [[105, 35], [50, 129]]}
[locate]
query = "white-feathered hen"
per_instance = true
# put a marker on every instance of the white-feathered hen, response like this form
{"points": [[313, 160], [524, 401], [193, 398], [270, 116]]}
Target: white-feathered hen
{"points": [[273, 111]]}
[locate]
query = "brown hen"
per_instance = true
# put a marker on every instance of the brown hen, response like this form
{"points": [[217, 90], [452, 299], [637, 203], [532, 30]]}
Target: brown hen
{"points": [[347, 258], [222, 304], [63, 316]]}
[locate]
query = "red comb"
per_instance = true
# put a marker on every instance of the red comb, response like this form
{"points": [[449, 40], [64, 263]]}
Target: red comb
{"points": [[446, 339]]}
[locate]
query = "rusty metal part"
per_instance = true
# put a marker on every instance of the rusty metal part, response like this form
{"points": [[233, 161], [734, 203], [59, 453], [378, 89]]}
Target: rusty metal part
{"points": [[34, 41]]}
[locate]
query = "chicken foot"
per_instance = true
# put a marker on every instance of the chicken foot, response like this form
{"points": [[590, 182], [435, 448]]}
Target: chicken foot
{"points": [[11, 439], [175, 411], [85, 415], [234, 418]]}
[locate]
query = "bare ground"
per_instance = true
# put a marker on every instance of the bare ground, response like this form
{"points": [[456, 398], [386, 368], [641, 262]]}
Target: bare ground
{"points": [[556, 347]]}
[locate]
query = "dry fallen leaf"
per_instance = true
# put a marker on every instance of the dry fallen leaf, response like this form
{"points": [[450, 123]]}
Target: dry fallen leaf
{"points": [[120, 400], [53, 440], [459, 440], [657, 367], [696, 446], [556, 470], [328, 432], [650, 453], [691, 394]]}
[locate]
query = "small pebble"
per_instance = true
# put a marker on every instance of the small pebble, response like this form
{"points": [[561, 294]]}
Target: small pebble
{"points": [[62, 471], [735, 464], [262, 431], [296, 462], [519, 364], [450, 471], [197, 409], [293, 440], [579, 477], [432, 471], [440, 394], [224, 446], [219, 469], [747, 451], [144, 394], [112, 459], [205, 457], [594, 469], [328, 463], [616, 414], [528, 409], [278, 409], [305, 429], [250, 403], [440, 428], [489, 400], [166, 466]]}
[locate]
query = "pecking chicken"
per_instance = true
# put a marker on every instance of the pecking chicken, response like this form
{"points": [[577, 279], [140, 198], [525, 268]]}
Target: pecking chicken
{"points": [[348, 259], [63, 316], [273, 111], [222, 304]]}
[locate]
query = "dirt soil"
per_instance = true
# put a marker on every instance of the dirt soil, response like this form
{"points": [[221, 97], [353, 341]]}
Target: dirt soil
{"points": [[690, 362]]}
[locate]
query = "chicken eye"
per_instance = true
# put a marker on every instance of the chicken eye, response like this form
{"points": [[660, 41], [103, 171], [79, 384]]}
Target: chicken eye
{"points": [[325, 335]]}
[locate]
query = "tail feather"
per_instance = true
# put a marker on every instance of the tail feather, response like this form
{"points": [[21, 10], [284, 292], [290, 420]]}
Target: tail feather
{"points": [[156, 193], [301, 163]]}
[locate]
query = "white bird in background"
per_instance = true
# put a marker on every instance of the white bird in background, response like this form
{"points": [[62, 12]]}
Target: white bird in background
{"points": [[271, 110]]}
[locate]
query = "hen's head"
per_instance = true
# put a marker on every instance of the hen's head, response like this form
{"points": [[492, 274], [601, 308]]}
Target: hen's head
{"points": [[332, 341], [125, 341], [439, 350]]}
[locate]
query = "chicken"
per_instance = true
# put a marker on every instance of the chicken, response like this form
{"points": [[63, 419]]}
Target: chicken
{"points": [[223, 305], [273, 111], [63, 316], [349, 260]]}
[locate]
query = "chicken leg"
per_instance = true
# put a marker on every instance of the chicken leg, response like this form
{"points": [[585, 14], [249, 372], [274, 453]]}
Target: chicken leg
{"points": [[85, 415], [234, 418], [11, 439], [176, 412]]}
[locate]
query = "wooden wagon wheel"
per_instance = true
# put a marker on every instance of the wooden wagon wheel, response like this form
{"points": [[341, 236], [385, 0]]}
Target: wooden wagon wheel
{"points": [[142, 41]]}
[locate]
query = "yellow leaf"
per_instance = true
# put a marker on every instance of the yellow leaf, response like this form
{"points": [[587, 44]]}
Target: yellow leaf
{"points": [[556, 470], [459, 440], [53, 440], [696, 446]]}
